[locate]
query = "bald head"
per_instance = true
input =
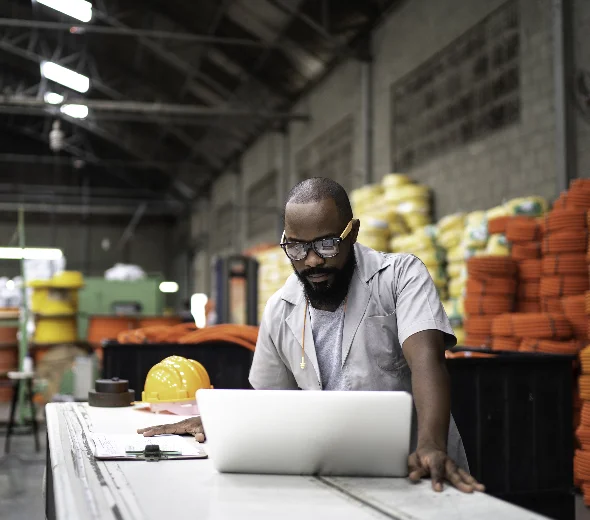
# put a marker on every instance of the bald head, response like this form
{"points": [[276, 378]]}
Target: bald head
{"points": [[319, 189]]}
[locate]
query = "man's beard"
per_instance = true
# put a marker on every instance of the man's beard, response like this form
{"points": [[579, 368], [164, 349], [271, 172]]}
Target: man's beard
{"points": [[328, 294]]}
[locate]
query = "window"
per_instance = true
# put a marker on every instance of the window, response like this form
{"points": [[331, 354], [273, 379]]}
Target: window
{"points": [[467, 91]]}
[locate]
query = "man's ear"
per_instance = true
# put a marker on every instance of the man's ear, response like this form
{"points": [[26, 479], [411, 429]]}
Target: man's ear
{"points": [[356, 225]]}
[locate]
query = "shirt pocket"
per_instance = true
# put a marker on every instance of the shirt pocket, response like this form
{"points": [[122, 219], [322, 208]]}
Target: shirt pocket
{"points": [[381, 341]]}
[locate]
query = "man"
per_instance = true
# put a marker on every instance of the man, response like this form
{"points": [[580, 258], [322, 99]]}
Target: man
{"points": [[352, 318]]}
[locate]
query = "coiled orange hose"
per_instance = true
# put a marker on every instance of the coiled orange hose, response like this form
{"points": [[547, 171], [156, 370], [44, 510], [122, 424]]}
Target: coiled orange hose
{"points": [[478, 325], [573, 199], [525, 251], [565, 241], [582, 465], [505, 343], [528, 306], [563, 285], [585, 365], [490, 286], [498, 225], [523, 229], [574, 308], [502, 325], [559, 219], [244, 335], [585, 415], [528, 291], [584, 385], [491, 267], [481, 305], [568, 263], [583, 435], [467, 355], [546, 346], [551, 304], [529, 269], [587, 302], [478, 340], [538, 326]]}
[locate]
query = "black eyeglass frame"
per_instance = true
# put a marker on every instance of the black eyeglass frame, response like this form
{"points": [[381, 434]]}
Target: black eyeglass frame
{"points": [[314, 244]]}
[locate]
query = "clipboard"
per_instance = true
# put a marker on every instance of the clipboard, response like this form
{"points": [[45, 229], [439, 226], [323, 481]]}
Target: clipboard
{"points": [[150, 449]]}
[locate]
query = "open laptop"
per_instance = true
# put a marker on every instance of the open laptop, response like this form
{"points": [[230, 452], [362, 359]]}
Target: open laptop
{"points": [[339, 433]]}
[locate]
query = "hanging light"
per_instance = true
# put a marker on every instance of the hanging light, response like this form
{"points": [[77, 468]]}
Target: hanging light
{"points": [[75, 111], [78, 9], [66, 77]]}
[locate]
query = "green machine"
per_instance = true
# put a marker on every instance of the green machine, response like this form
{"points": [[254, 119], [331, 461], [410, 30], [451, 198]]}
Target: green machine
{"points": [[113, 297]]}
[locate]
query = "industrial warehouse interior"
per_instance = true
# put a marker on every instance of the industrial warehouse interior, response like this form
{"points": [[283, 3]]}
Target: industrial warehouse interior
{"points": [[207, 206]]}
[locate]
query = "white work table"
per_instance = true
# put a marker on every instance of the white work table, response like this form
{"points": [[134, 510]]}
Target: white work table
{"points": [[80, 487]]}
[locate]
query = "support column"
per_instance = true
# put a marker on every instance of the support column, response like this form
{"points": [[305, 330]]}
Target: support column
{"points": [[565, 142], [366, 59]]}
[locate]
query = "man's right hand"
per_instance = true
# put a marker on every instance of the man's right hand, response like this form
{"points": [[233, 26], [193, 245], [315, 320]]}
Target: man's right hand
{"points": [[192, 426]]}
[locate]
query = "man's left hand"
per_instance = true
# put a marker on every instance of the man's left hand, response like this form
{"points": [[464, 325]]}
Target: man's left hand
{"points": [[434, 463]]}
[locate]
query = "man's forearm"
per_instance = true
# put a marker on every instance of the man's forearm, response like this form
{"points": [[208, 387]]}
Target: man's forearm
{"points": [[431, 389]]}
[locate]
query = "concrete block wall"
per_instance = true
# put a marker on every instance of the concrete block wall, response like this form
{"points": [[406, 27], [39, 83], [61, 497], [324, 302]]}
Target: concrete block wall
{"points": [[516, 161], [582, 60], [513, 162], [265, 156]]}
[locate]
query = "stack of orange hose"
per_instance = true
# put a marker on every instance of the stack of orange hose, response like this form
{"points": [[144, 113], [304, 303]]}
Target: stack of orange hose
{"points": [[244, 335], [574, 308], [491, 287], [534, 332], [564, 246], [524, 235], [582, 456]]}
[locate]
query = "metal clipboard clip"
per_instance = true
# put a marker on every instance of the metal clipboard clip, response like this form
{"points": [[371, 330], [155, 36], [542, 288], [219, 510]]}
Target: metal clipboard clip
{"points": [[153, 453]]}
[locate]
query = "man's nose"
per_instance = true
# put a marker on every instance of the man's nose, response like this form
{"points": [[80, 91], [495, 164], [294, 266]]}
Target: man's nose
{"points": [[313, 259]]}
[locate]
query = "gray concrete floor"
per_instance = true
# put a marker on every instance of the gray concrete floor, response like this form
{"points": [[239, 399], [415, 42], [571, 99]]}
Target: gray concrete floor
{"points": [[21, 475]]}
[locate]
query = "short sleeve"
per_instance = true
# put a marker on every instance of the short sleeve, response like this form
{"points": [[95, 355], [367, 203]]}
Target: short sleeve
{"points": [[418, 306], [268, 371]]}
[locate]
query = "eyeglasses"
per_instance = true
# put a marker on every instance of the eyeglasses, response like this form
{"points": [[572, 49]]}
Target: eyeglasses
{"points": [[323, 247]]}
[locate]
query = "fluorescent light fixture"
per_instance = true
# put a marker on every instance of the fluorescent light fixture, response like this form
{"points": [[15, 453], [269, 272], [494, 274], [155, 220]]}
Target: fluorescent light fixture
{"points": [[30, 253], [169, 287], [53, 98], [64, 76], [78, 9], [76, 111]]}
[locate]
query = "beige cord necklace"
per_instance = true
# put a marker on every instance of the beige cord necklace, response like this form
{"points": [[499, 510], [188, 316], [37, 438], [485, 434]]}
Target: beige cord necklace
{"points": [[302, 364]]}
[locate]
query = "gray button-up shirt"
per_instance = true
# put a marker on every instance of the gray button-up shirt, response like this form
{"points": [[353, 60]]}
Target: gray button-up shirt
{"points": [[391, 297]]}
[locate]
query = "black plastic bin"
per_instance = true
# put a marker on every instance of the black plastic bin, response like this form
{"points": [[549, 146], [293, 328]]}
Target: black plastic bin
{"points": [[227, 364], [514, 413]]}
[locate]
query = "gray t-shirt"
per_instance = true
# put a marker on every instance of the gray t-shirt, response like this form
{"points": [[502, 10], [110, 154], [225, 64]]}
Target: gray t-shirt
{"points": [[327, 328]]}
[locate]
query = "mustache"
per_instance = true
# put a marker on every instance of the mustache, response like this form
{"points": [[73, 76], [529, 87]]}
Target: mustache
{"points": [[318, 271]]}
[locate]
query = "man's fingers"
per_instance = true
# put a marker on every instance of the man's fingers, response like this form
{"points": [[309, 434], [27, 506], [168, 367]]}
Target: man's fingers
{"points": [[415, 469], [418, 474], [437, 472], [456, 478], [200, 437], [468, 479], [163, 429]]}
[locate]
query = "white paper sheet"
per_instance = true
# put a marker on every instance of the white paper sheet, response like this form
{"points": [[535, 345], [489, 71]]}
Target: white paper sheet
{"points": [[116, 445]]}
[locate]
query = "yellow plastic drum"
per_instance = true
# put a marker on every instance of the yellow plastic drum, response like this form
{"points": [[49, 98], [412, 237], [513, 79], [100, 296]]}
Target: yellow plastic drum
{"points": [[55, 330], [47, 301]]}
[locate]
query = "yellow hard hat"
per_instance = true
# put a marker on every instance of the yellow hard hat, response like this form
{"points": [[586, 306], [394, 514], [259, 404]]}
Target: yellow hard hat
{"points": [[174, 380]]}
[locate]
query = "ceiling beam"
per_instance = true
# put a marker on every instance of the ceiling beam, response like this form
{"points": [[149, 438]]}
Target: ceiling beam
{"points": [[129, 31], [82, 209], [166, 109], [12, 158]]}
